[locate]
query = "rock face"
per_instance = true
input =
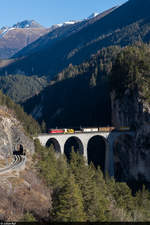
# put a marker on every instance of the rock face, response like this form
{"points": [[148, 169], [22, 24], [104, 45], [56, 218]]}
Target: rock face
{"points": [[21, 191], [132, 156], [12, 134]]}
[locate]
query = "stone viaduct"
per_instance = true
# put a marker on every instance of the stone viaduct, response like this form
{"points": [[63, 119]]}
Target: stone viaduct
{"points": [[59, 141]]}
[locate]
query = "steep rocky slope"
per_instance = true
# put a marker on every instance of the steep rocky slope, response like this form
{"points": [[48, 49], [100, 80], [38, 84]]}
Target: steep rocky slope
{"points": [[131, 108], [11, 134], [21, 189], [127, 111]]}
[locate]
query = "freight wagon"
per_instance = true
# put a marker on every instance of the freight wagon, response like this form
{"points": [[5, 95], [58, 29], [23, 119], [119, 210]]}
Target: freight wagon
{"points": [[93, 129]]}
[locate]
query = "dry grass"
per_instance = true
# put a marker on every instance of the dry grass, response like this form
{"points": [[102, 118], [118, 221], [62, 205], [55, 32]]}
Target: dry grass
{"points": [[4, 162], [27, 193]]}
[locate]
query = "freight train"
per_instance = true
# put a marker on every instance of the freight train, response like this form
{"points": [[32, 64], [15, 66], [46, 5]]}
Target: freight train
{"points": [[87, 130]]}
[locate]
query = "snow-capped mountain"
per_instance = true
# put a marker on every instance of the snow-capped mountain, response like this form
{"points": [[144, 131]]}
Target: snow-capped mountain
{"points": [[92, 15], [71, 22], [27, 24], [25, 32], [23, 24], [34, 24], [4, 28], [13, 39]]}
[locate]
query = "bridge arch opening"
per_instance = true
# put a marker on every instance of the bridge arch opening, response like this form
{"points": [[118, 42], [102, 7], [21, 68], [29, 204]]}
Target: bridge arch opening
{"points": [[96, 151], [55, 144], [73, 143], [122, 156]]}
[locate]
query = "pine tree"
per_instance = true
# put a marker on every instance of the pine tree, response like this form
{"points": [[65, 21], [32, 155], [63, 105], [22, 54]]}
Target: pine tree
{"points": [[53, 169], [93, 199], [68, 204], [28, 217], [123, 196], [143, 203]]}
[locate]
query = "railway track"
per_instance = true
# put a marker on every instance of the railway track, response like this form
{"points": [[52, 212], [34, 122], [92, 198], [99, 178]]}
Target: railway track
{"points": [[18, 161]]}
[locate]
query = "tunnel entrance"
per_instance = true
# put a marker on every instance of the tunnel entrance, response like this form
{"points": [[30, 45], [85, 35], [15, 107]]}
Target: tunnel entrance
{"points": [[96, 151], [75, 144], [55, 144], [122, 149]]}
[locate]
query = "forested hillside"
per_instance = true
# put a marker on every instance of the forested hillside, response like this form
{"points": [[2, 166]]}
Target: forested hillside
{"points": [[131, 70], [20, 87], [78, 96], [30, 125]]}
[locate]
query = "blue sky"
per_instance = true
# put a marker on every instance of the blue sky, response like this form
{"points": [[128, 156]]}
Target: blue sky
{"points": [[49, 12]]}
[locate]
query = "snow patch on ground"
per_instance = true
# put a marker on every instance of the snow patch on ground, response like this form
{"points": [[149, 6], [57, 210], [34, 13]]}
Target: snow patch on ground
{"points": [[6, 31]]}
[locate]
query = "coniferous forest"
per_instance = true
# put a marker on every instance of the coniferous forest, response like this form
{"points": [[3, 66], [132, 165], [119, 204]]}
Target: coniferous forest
{"points": [[80, 192]]}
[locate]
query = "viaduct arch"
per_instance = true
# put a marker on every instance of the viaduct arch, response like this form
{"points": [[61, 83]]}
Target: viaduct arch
{"points": [[84, 142], [55, 143], [96, 151], [74, 142]]}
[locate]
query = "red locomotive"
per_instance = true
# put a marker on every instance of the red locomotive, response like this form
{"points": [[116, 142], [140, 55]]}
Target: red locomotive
{"points": [[55, 131]]}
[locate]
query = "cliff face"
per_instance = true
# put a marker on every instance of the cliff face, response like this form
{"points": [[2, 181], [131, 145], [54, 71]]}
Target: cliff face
{"points": [[21, 190], [12, 134], [132, 155]]}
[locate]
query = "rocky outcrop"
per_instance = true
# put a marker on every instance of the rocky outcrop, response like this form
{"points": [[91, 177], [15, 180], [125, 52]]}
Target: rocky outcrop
{"points": [[128, 110], [12, 134], [21, 190], [132, 156]]}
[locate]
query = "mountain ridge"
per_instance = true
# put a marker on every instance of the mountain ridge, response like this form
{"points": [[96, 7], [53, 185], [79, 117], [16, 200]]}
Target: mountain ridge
{"points": [[28, 24], [124, 25], [19, 35], [58, 34]]}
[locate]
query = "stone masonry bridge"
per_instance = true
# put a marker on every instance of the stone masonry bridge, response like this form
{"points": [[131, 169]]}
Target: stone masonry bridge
{"points": [[82, 140]]}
